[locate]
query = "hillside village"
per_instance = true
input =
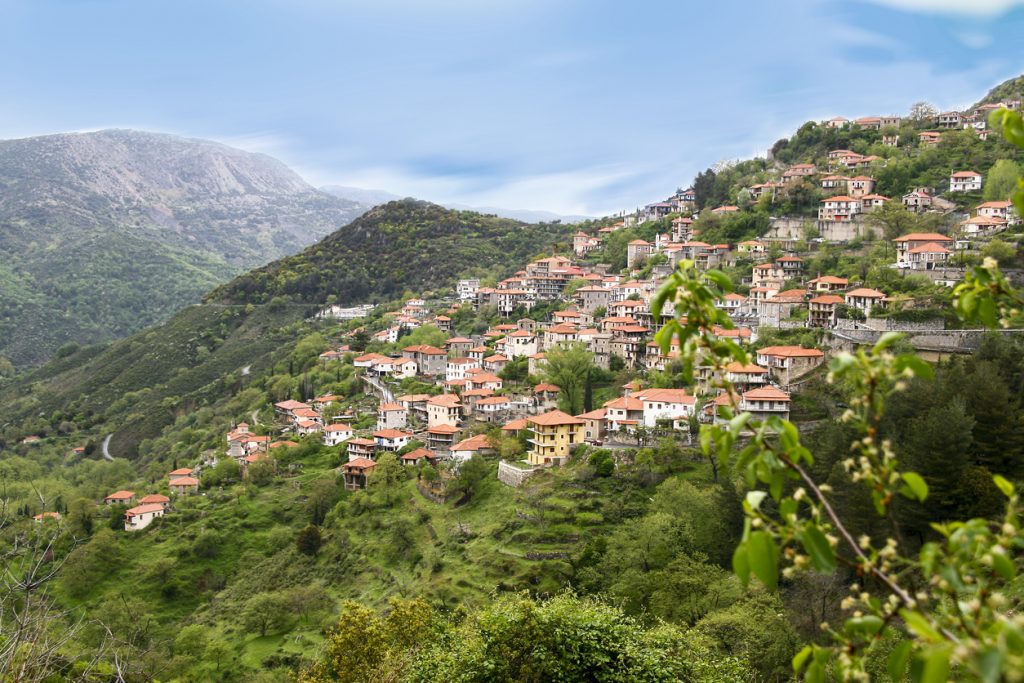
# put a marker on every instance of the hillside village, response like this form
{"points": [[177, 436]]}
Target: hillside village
{"points": [[528, 433], [788, 310]]}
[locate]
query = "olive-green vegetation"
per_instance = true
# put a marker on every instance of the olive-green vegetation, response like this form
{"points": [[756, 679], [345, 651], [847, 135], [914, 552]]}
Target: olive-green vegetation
{"points": [[400, 246], [104, 234], [139, 385]]}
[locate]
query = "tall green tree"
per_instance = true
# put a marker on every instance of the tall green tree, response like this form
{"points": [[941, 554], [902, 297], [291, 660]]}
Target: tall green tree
{"points": [[567, 366], [1002, 180]]}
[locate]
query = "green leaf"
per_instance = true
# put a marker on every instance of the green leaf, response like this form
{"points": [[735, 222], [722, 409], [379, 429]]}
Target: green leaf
{"points": [[801, 658], [989, 664], [987, 312], [869, 624], [920, 625], [740, 563], [1003, 566], [898, 660], [763, 555], [885, 341], [1003, 485], [916, 484], [920, 367], [818, 548], [936, 666], [815, 673]]}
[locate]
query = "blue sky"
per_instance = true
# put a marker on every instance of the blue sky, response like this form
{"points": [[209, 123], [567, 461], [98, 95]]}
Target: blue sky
{"points": [[567, 105]]}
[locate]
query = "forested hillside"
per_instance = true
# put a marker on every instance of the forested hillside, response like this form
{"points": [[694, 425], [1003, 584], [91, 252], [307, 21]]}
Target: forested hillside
{"points": [[138, 385], [103, 234], [395, 248]]}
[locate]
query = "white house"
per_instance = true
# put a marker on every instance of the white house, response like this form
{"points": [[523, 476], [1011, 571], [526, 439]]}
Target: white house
{"points": [[141, 516], [337, 433], [665, 404], [458, 367], [965, 181], [864, 299], [392, 439]]}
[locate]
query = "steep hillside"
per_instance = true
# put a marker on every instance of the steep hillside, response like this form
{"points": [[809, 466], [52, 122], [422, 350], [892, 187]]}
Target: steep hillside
{"points": [[137, 386], [103, 234], [400, 246]]}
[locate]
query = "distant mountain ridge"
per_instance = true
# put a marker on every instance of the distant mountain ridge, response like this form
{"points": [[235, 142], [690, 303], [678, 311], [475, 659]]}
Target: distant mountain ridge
{"points": [[105, 233], [375, 197]]}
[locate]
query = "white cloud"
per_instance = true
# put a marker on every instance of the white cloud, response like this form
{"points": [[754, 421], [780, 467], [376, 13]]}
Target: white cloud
{"points": [[973, 8], [563, 192]]}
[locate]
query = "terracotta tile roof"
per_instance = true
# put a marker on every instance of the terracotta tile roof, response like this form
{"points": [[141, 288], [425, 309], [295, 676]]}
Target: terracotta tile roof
{"points": [[790, 352], [185, 481], [120, 495], [144, 509], [554, 418], [515, 425], [625, 403], [391, 434], [338, 427], [746, 369], [154, 498], [443, 429], [473, 443], [666, 396], [417, 454], [923, 237], [766, 394], [866, 293], [360, 464]]}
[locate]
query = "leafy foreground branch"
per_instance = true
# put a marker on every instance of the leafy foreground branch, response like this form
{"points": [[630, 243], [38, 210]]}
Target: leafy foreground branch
{"points": [[951, 595]]}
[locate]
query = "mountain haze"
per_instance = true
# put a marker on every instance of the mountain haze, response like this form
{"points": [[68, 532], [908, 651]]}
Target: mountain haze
{"points": [[104, 233], [375, 197]]}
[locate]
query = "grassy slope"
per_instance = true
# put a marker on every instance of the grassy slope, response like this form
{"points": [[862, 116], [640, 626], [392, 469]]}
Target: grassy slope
{"points": [[505, 524]]}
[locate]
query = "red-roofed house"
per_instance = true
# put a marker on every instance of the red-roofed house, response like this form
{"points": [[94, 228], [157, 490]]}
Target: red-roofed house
{"points": [[864, 299], [553, 435], [356, 473], [184, 485], [337, 433], [467, 448], [764, 402], [822, 310], [392, 439], [665, 404], [392, 416], [916, 239], [120, 498], [788, 363], [965, 181], [141, 516]]}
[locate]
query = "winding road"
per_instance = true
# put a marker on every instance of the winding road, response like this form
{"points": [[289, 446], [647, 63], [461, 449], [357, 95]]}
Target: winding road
{"points": [[106, 447]]}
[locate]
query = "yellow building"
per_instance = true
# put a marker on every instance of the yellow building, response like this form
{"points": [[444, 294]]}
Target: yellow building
{"points": [[552, 434]]}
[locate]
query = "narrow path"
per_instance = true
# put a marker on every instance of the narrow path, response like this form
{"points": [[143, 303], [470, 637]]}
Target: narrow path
{"points": [[385, 393], [106, 447]]}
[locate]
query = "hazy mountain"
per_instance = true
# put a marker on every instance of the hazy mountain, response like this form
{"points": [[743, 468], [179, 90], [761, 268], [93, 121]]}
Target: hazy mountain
{"points": [[358, 194], [374, 197], [104, 233]]}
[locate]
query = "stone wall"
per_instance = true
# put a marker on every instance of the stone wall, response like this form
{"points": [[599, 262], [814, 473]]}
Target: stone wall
{"points": [[890, 325], [510, 475], [789, 228]]}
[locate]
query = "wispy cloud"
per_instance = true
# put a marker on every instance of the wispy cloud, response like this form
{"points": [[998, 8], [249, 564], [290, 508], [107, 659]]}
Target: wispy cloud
{"points": [[975, 8]]}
